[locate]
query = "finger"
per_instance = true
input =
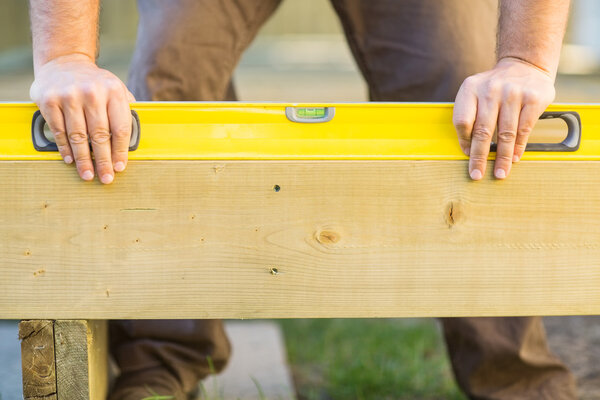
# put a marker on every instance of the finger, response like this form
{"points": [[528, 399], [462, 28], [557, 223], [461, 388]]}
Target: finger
{"points": [[508, 121], [527, 120], [98, 130], [120, 125], [56, 122], [465, 110], [78, 140], [483, 130], [130, 97]]}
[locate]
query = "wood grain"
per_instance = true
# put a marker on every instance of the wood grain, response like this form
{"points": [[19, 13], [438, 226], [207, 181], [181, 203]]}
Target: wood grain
{"points": [[81, 359], [37, 359], [199, 239]]}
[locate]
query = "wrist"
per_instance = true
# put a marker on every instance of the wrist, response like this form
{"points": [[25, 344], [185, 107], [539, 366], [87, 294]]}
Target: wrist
{"points": [[510, 59], [64, 59]]}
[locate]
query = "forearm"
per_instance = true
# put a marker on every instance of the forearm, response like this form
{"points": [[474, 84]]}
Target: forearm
{"points": [[532, 31], [63, 27]]}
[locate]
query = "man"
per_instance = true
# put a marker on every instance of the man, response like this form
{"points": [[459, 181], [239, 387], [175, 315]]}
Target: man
{"points": [[409, 50]]}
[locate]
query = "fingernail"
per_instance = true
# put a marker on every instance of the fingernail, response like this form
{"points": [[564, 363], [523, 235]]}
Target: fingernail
{"points": [[107, 178], [516, 158], [119, 166], [500, 173], [476, 174], [88, 175], [68, 159]]}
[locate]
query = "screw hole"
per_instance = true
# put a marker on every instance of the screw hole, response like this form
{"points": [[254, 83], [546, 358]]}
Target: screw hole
{"points": [[277, 188]]}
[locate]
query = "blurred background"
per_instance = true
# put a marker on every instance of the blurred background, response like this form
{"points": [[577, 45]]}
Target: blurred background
{"points": [[301, 55]]}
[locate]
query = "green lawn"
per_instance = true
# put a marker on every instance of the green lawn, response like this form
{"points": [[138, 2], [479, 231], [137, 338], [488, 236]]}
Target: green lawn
{"points": [[368, 359]]}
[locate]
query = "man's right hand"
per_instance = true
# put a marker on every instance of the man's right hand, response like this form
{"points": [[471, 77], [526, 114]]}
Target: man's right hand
{"points": [[82, 102]]}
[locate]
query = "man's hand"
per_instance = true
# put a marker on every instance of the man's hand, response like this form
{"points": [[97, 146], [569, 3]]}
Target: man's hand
{"points": [[512, 96], [82, 102]]}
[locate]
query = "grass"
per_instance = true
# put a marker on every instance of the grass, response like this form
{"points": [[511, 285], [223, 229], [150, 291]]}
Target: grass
{"points": [[156, 396], [368, 359]]}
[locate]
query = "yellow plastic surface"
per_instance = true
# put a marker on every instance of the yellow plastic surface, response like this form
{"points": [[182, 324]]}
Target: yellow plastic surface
{"points": [[261, 131]]}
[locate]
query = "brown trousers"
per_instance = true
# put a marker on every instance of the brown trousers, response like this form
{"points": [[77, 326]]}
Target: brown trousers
{"points": [[407, 50]]}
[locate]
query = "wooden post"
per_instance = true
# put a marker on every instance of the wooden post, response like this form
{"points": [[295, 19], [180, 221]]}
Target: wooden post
{"points": [[37, 359], [64, 359]]}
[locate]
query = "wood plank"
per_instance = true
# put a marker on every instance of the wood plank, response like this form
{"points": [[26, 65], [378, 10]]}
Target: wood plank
{"points": [[201, 239], [81, 359], [37, 359]]}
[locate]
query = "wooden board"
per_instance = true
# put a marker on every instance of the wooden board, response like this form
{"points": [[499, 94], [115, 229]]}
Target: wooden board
{"points": [[201, 239]]}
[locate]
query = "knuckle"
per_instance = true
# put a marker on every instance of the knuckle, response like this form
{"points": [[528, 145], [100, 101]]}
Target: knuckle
{"points": [[120, 154], [462, 124], [512, 92], [470, 82], [123, 131], [59, 136], [521, 141], [519, 147], [114, 86], [82, 160], [69, 95], [91, 92], [503, 159], [63, 148], [100, 136], [482, 133], [492, 89], [507, 136], [531, 96], [77, 136], [49, 100], [478, 159], [103, 164], [525, 130]]}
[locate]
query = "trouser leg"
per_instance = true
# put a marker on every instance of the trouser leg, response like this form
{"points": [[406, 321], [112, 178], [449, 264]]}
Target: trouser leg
{"points": [[419, 50], [188, 349], [422, 50], [506, 358], [186, 50]]}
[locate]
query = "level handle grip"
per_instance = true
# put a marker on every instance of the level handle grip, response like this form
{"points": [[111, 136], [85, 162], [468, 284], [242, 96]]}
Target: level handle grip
{"points": [[43, 140], [571, 141]]}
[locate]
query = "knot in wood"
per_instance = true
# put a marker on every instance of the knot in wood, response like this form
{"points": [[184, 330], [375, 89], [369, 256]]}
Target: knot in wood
{"points": [[328, 237], [453, 213]]}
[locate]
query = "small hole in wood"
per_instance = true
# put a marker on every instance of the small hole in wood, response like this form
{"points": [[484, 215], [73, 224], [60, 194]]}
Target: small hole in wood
{"points": [[273, 271], [277, 188]]}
